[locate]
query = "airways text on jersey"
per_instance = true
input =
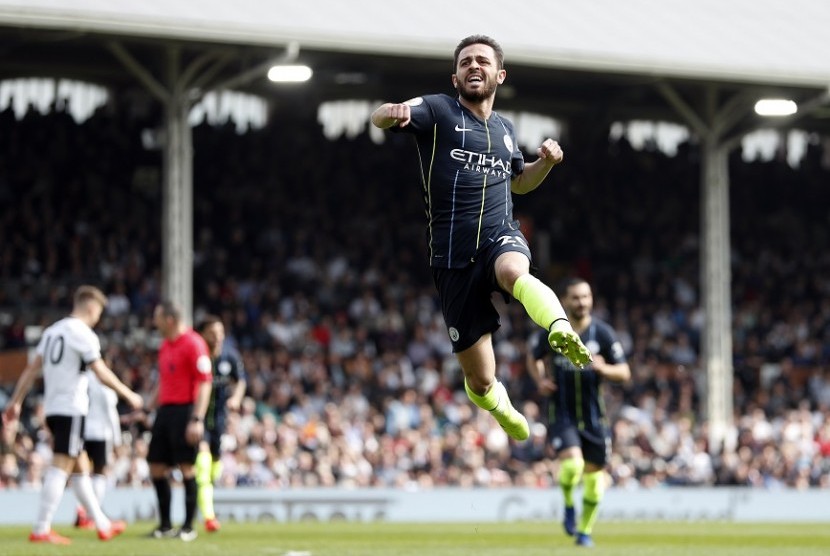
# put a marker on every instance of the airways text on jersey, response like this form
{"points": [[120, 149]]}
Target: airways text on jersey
{"points": [[482, 163]]}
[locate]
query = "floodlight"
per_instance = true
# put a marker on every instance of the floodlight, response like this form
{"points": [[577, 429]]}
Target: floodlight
{"points": [[289, 74], [775, 107]]}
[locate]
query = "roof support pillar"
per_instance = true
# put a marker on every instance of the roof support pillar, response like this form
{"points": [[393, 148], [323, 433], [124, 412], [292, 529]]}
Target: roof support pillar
{"points": [[181, 88], [177, 210], [715, 275], [177, 184], [716, 279]]}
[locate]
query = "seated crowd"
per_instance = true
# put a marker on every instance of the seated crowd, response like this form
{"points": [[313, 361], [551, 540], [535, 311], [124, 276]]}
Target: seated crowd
{"points": [[312, 252]]}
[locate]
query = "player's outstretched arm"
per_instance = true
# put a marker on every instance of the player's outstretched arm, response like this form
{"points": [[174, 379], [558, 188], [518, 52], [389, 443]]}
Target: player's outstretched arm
{"points": [[24, 384], [389, 114], [108, 378]]}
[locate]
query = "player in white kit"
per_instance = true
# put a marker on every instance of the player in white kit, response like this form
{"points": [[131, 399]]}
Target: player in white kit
{"points": [[102, 433], [66, 352]]}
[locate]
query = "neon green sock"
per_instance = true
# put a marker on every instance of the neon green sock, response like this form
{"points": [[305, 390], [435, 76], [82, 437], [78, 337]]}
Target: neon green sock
{"points": [[591, 497], [215, 471], [204, 497], [538, 300], [570, 473], [488, 401]]}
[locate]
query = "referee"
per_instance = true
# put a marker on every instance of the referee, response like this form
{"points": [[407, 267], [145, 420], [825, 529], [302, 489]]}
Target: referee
{"points": [[182, 397]]}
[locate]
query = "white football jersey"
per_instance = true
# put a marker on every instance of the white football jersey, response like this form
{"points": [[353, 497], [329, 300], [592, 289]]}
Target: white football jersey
{"points": [[102, 422], [67, 348]]}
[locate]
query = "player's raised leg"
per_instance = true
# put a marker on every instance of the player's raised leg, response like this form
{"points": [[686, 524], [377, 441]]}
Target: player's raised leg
{"points": [[542, 305], [479, 365], [544, 309]]}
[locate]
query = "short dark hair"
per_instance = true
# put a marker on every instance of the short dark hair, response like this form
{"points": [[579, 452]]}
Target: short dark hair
{"points": [[170, 309], [207, 321], [568, 282], [479, 39]]}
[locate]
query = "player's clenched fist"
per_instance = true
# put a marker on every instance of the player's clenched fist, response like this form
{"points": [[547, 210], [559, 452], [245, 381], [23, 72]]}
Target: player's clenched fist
{"points": [[400, 112], [551, 152], [390, 114]]}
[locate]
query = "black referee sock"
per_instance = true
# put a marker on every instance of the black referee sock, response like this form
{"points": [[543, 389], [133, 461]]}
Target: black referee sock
{"points": [[162, 487], [190, 491]]}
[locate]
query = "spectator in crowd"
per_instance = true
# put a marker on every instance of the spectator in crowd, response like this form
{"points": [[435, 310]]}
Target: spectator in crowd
{"points": [[781, 325]]}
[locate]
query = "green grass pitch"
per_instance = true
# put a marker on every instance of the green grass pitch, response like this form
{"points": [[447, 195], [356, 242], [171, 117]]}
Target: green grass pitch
{"points": [[454, 539]]}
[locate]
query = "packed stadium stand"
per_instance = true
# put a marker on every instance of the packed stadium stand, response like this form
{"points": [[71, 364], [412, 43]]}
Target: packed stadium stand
{"points": [[313, 253]]}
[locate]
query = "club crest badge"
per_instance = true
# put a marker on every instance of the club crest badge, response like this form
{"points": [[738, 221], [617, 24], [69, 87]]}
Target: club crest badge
{"points": [[454, 335]]}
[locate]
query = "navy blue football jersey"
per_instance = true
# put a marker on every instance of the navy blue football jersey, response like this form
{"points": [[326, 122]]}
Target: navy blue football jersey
{"points": [[228, 369], [467, 165], [578, 396]]}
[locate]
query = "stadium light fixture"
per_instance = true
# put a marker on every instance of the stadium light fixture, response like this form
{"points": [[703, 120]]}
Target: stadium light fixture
{"points": [[775, 107], [289, 74]]}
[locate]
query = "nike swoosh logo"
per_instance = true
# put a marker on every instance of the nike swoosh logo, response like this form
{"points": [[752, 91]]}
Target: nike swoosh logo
{"points": [[461, 128]]}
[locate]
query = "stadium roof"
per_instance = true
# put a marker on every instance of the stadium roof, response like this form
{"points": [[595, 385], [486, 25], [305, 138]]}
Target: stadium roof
{"points": [[563, 56]]}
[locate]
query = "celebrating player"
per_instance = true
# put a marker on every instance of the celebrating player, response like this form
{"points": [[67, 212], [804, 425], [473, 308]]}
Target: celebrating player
{"points": [[470, 166]]}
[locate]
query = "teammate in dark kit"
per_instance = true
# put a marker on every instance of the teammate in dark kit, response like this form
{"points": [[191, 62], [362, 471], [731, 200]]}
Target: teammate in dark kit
{"points": [[229, 385], [577, 426]]}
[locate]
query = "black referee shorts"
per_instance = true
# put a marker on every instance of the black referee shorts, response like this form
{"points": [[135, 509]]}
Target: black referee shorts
{"points": [[168, 444]]}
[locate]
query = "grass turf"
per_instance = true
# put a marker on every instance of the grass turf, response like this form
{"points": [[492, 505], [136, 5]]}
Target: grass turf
{"points": [[455, 539]]}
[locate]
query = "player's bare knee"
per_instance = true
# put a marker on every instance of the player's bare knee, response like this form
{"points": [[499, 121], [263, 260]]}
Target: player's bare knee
{"points": [[479, 384], [509, 269]]}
